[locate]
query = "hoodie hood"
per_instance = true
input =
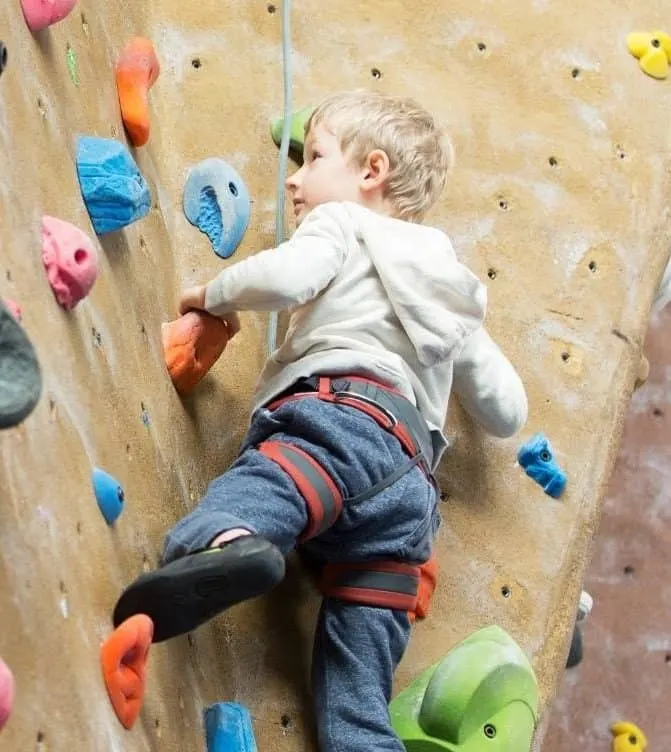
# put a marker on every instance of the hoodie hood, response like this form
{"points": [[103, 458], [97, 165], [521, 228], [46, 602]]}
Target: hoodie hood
{"points": [[438, 301]]}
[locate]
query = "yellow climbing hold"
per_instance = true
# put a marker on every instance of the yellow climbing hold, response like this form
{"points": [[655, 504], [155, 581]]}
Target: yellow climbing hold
{"points": [[627, 737], [653, 51]]}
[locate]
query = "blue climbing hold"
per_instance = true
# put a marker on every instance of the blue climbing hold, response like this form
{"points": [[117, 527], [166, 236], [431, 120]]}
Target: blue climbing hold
{"points": [[109, 495], [228, 728], [538, 462], [216, 201], [115, 192]]}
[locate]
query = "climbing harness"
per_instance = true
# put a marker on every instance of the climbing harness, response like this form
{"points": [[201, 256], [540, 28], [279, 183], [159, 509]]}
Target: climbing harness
{"points": [[380, 583]]}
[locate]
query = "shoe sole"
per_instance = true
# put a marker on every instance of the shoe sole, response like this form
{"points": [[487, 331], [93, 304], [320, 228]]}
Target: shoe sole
{"points": [[186, 593]]}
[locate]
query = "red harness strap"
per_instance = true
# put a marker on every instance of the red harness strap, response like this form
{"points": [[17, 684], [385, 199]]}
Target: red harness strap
{"points": [[323, 500], [386, 584], [383, 584], [385, 420]]}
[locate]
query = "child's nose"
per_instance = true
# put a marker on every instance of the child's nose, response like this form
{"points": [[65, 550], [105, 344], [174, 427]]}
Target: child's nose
{"points": [[293, 181]]}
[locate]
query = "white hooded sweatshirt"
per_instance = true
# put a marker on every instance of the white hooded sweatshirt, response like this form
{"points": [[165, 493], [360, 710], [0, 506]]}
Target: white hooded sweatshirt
{"points": [[383, 298]]}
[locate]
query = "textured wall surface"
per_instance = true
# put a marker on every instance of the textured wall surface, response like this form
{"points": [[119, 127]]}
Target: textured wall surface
{"points": [[626, 671], [559, 201]]}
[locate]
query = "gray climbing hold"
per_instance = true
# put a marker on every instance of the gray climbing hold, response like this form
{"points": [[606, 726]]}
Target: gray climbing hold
{"points": [[114, 191], [3, 57], [216, 201], [20, 375]]}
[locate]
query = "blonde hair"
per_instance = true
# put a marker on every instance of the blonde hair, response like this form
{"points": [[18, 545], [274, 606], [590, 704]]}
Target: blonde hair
{"points": [[420, 153]]}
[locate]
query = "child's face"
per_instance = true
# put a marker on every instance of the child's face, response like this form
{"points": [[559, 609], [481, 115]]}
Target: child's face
{"points": [[326, 174]]}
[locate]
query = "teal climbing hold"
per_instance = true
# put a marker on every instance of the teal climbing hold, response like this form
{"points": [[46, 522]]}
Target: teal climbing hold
{"points": [[483, 697], [114, 191], [228, 728], [297, 132], [537, 459], [109, 495], [216, 201]]}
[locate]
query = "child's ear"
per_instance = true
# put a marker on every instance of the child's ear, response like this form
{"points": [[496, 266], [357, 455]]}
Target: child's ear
{"points": [[375, 170]]}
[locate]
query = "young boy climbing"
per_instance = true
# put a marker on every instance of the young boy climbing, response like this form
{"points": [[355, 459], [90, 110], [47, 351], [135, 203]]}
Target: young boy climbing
{"points": [[347, 418]]}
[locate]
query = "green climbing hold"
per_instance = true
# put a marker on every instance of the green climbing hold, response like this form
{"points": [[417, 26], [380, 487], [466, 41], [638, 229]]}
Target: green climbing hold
{"points": [[71, 60], [298, 121], [482, 697]]}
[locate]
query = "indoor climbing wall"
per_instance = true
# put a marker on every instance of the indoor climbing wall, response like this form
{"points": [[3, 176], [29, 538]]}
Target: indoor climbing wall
{"points": [[559, 201]]}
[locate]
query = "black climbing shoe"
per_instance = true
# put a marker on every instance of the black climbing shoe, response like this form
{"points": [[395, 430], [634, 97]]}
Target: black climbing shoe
{"points": [[20, 375], [189, 591]]}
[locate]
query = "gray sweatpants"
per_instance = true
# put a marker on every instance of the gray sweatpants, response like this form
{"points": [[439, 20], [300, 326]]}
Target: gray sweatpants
{"points": [[357, 648]]}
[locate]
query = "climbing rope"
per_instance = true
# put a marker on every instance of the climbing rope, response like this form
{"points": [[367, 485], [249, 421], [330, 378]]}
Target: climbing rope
{"points": [[280, 229]]}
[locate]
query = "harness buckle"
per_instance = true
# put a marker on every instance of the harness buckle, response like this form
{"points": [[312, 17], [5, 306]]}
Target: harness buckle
{"points": [[340, 395]]}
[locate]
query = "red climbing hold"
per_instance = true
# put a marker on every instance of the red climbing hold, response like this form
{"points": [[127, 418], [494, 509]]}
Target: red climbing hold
{"points": [[191, 346], [42, 13], [70, 260], [14, 308], [6, 692], [123, 657], [136, 72]]}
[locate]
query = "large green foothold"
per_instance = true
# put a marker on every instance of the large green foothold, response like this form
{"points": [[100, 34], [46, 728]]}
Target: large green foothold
{"points": [[298, 121], [483, 697]]}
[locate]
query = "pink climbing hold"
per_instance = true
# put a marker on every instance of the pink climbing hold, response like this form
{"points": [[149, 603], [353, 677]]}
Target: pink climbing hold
{"points": [[6, 692], [42, 13], [70, 260], [14, 308]]}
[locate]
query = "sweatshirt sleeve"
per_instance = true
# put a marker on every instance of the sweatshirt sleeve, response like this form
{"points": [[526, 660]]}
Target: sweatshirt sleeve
{"points": [[286, 276], [488, 386]]}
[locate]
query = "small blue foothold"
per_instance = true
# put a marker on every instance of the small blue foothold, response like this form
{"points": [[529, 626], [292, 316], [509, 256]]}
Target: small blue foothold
{"points": [[109, 495], [216, 201], [538, 462], [114, 191], [228, 728]]}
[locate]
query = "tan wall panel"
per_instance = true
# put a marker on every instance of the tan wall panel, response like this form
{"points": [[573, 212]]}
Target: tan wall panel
{"points": [[509, 109]]}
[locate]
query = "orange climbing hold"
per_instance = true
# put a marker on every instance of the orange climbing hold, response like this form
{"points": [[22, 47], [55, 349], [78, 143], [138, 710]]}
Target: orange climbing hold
{"points": [[136, 72], [191, 346], [123, 657]]}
